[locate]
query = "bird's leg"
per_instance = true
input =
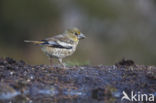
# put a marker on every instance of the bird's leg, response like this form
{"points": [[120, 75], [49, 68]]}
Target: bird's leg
{"points": [[51, 61], [60, 60]]}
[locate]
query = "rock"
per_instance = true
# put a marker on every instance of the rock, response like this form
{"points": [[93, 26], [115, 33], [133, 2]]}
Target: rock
{"points": [[76, 84]]}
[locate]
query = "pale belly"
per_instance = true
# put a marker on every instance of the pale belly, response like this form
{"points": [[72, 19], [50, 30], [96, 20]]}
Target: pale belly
{"points": [[57, 52]]}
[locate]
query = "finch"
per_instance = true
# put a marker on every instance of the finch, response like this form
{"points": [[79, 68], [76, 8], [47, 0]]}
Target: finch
{"points": [[60, 46]]}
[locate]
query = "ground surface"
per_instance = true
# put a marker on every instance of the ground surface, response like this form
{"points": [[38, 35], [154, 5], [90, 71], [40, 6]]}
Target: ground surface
{"points": [[23, 83]]}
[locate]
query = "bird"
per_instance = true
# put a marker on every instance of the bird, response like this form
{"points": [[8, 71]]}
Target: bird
{"points": [[61, 45]]}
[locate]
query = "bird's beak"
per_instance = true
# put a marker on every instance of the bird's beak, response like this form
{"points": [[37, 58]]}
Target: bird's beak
{"points": [[81, 36]]}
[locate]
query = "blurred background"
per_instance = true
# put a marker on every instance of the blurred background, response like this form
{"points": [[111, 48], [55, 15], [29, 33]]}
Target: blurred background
{"points": [[115, 29]]}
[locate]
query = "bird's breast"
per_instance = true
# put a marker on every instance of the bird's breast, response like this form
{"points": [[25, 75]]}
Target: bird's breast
{"points": [[58, 52]]}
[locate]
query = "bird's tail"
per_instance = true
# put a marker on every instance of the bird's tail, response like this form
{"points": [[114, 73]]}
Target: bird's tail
{"points": [[34, 42]]}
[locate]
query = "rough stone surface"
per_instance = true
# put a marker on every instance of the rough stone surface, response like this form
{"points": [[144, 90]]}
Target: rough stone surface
{"points": [[23, 83]]}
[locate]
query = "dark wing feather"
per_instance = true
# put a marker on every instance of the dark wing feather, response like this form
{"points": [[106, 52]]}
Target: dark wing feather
{"points": [[56, 42]]}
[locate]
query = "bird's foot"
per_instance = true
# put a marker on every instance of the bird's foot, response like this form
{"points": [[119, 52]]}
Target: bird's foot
{"points": [[64, 65]]}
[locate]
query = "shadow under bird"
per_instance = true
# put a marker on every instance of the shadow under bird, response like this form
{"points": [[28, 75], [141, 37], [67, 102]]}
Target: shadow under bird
{"points": [[60, 46]]}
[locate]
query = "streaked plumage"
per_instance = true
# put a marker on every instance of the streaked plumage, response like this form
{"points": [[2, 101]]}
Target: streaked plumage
{"points": [[60, 46]]}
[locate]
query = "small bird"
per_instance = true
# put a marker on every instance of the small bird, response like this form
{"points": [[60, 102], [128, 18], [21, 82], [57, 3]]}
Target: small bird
{"points": [[60, 46]]}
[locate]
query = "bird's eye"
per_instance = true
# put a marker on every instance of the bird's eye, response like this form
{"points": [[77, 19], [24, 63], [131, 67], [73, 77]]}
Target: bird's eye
{"points": [[76, 34]]}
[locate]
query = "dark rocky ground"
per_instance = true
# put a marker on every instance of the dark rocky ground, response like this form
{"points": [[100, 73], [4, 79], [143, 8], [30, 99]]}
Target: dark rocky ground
{"points": [[23, 83]]}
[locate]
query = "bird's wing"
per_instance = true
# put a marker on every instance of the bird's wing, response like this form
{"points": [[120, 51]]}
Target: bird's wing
{"points": [[59, 41]]}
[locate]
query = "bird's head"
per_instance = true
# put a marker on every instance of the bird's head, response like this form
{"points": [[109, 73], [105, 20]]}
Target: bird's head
{"points": [[74, 34]]}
